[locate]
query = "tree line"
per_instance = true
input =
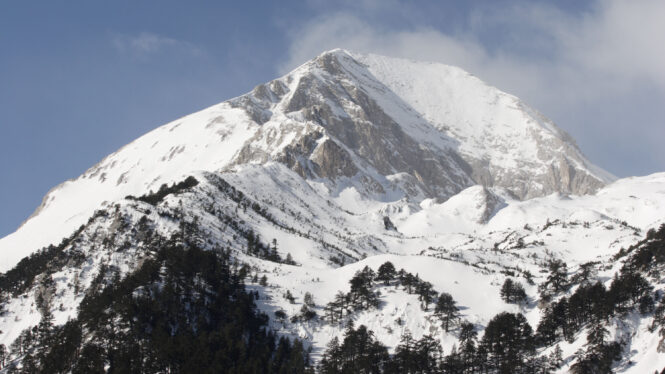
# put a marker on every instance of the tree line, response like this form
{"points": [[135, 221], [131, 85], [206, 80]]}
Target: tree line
{"points": [[184, 310], [362, 295]]}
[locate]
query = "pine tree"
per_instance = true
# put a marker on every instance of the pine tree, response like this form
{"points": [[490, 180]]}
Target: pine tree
{"points": [[289, 296], [3, 355], [587, 272], [308, 299], [453, 363], [329, 313], [467, 346], [506, 290], [446, 310], [274, 255], [306, 313], [519, 294], [77, 283], [599, 355], [341, 304], [44, 294], [659, 318], [386, 273], [331, 361], [91, 360], [513, 292], [509, 342], [426, 294], [555, 359], [428, 353], [403, 360], [362, 296], [596, 337], [558, 275], [360, 352]]}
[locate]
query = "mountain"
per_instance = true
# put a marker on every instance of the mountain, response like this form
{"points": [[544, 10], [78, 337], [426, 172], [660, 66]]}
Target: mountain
{"points": [[367, 127], [346, 163]]}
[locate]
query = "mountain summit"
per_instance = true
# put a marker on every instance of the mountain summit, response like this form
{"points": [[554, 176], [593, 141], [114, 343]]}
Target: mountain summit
{"points": [[425, 125]]}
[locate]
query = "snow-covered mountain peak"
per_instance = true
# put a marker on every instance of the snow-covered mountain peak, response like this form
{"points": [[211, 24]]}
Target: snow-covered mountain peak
{"points": [[358, 128], [310, 183], [476, 132]]}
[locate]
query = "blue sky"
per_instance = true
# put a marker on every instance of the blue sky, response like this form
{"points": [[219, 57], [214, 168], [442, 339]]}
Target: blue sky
{"points": [[79, 79]]}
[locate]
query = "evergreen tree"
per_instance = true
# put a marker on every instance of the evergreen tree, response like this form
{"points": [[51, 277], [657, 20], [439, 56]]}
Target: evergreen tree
{"points": [[341, 304], [509, 343], [305, 314], [506, 290], [331, 361], [630, 289], [513, 292], [429, 352], [386, 272], [415, 356], [467, 346], [555, 359], [280, 315], [308, 299], [587, 272], [659, 318], [289, 296], [555, 323], [599, 355], [361, 294], [91, 360], [329, 313], [358, 353], [446, 310], [404, 359], [426, 294], [557, 279], [3, 355], [77, 284], [60, 357]]}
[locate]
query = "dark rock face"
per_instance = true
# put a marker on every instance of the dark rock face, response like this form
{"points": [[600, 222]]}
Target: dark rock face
{"points": [[332, 161]]}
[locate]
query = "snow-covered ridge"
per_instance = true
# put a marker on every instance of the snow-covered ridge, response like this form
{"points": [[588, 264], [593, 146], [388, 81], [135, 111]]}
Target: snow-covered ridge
{"points": [[381, 128], [462, 246]]}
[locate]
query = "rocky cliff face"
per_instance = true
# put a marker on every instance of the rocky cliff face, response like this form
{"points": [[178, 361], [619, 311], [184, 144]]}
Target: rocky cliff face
{"points": [[382, 116]]}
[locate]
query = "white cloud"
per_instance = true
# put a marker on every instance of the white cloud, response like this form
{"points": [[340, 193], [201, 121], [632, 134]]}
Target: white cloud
{"points": [[144, 45], [576, 68]]}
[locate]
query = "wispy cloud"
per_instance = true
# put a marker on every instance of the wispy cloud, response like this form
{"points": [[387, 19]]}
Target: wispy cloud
{"points": [[146, 45], [590, 71]]}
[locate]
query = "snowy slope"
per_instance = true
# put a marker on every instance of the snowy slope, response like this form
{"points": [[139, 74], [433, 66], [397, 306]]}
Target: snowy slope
{"points": [[207, 139], [487, 125], [468, 263]]}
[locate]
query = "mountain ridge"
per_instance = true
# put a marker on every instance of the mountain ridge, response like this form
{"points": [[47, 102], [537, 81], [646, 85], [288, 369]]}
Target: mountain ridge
{"points": [[370, 140]]}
